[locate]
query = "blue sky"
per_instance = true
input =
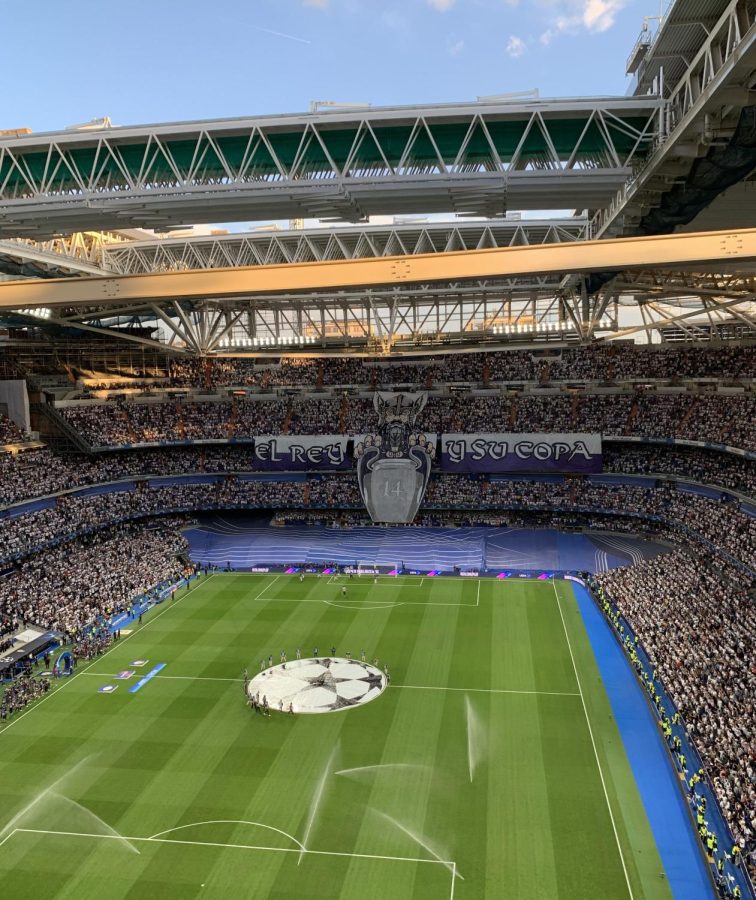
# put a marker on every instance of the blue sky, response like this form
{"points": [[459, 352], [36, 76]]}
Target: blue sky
{"points": [[141, 61]]}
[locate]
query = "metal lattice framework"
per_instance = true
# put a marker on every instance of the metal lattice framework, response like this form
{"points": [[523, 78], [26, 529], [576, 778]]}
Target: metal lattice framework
{"points": [[262, 248], [477, 158], [700, 110], [458, 296], [617, 157], [80, 253]]}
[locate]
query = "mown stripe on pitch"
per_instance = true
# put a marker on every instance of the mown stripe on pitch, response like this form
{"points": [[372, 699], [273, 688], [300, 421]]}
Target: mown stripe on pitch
{"points": [[519, 848], [639, 848], [412, 736]]}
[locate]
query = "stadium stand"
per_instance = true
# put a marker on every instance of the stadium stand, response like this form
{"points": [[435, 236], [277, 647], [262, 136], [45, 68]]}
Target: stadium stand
{"points": [[75, 560], [694, 616], [617, 363], [72, 586], [727, 419], [719, 523], [10, 433], [40, 471]]}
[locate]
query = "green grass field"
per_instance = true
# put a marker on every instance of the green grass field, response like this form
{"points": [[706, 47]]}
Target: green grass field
{"points": [[491, 766]]}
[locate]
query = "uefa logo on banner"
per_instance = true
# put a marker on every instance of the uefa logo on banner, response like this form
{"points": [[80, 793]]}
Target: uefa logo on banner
{"points": [[394, 464]]}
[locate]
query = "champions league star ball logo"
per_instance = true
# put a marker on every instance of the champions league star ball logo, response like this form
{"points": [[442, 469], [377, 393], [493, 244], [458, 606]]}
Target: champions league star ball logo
{"points": [[393, 466]]}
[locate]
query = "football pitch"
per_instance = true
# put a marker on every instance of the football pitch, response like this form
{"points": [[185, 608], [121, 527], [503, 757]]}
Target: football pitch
{"points": [[490, 767]]}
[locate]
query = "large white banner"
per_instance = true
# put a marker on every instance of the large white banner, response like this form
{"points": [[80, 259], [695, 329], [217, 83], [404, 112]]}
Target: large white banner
{"points": [[301, 453], [521, 453]]}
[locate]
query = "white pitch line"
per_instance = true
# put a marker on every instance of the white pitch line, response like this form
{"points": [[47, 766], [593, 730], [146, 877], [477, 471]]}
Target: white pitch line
{"points": [[593, 742], [170, 677], [266, 588], [150, 840], [288, 599], [338, 600], [172, 605], [477, 602], [432, 603], [228, 822], [43, 793], [363, 605], [429, 687], [411, 687], [8, 836], [422, 840]]}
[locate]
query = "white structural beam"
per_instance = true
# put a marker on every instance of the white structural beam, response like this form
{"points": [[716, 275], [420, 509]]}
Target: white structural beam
{"points": [[701, 111], [677, 251], [269, 247], [470, 159]]}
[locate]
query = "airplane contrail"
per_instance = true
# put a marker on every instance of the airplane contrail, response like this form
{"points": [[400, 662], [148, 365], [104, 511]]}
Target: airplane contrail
{"points": [[281, 34]]}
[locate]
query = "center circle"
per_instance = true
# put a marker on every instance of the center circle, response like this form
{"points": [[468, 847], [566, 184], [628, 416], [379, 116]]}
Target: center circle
{"points": [[322, 685]]}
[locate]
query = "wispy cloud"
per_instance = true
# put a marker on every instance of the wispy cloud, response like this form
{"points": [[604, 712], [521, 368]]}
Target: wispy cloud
{"points": [[456, 48], [516, 47], [395, 21], [441, 5], [599, 15], [318, 4], [574, 16]]}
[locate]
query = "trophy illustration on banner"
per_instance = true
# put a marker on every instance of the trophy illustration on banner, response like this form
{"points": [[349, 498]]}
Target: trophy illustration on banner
{"points": [[394, 464]]}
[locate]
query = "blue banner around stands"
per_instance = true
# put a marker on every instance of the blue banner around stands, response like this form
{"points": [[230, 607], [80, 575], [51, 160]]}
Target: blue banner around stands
{"points": [[579, 453], [301, 453]]}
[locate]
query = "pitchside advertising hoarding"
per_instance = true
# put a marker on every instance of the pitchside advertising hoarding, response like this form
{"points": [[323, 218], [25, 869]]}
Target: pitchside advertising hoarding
{"points": [[301, 453], [531, 453]]}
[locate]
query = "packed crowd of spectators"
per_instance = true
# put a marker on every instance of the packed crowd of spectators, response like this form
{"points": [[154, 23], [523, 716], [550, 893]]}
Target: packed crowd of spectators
{"points": [[70, 516], [10, 433], [616, 362], [704, 466], [71, 586], [718, 419], [720, 522], [39, 472], [36, 473], [696, 619], [714, 418], [116, 424]]}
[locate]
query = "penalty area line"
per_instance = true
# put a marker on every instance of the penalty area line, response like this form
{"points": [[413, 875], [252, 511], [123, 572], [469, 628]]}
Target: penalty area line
{"points": [[156, 840], [266, 588]]}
